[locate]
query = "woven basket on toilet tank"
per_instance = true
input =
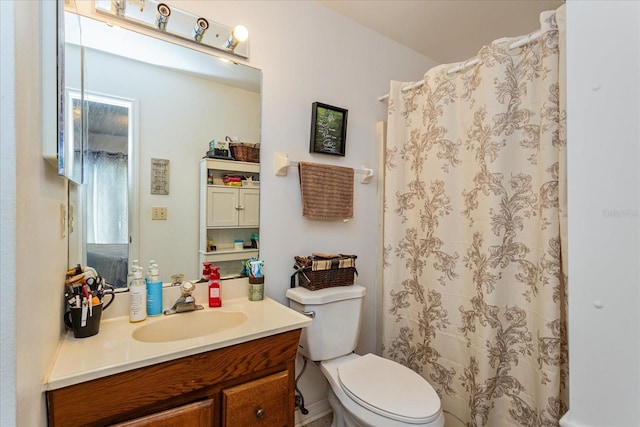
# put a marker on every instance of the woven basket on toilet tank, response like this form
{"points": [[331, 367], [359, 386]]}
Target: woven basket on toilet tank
{"points": [[320, 271]]}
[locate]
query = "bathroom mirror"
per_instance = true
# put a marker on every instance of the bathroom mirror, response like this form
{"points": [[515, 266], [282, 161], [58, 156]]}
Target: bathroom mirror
{"points": [[147, 101]]}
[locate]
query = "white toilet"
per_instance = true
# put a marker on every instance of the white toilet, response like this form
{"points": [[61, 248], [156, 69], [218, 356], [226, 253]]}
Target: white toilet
{"points": [[367, 391]]}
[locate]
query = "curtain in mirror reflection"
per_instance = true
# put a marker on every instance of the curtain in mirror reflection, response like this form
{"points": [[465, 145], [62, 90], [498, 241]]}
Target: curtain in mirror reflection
{"points": [[107, 207], [106, 190]]}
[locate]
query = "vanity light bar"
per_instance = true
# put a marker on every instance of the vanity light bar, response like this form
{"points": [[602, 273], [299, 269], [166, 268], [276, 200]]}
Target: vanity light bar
{"points": [[160, 17]]}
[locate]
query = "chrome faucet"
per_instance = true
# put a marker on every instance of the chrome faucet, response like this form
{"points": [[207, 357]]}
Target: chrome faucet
{"points": [[186, 302]]}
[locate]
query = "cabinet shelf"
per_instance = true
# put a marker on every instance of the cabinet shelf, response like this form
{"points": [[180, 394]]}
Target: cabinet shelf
{"points": [[229, 255], [254, 185], [232, 165]]}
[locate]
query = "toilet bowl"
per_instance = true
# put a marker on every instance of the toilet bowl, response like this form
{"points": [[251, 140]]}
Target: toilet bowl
{"points": [[377, 392], [368, 390]]}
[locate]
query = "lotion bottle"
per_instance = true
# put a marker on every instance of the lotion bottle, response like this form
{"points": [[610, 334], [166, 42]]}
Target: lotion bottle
{"points": [[154, 292], [138, 295], [214, 288]]}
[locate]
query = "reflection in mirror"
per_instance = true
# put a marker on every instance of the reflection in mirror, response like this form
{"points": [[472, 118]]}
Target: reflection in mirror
{"points": [[177, 100], [109, 151]]}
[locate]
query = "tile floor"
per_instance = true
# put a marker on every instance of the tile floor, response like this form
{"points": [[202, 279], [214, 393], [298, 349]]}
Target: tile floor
{"points": [[321, 422]]}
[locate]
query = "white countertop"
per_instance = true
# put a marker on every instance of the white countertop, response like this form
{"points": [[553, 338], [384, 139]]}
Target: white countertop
{"points": [[114, 350]]}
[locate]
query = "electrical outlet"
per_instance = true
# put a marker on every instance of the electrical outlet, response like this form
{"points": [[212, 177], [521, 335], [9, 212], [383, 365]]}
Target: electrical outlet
{"points": [[159, 213]]}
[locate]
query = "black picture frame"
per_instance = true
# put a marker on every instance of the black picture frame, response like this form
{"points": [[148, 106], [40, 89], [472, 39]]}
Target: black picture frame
{"points": [[328, 129]]}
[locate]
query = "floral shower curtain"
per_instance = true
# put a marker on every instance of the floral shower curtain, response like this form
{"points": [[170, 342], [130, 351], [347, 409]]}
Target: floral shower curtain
{"points": [[474, 285]]}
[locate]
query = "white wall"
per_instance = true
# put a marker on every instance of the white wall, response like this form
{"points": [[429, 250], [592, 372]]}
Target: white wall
{"points": [[603, 86], [40, 248], [7, 216]]}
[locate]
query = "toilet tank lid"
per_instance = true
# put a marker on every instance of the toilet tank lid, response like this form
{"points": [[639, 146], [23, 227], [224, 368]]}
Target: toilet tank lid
{"points": [[327, 295]]}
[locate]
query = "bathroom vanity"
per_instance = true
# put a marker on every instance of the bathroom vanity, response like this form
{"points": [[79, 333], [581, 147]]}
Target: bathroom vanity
{"points": [[239, 376]]}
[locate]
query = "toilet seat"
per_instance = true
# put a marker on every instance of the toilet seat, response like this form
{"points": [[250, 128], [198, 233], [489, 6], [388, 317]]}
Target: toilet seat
{"points": [[389, 389]]}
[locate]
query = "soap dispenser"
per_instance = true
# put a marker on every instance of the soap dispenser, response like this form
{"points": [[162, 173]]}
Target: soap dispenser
{"points": [[138, 295], [154, 292], [214, 288], [206, 271]]}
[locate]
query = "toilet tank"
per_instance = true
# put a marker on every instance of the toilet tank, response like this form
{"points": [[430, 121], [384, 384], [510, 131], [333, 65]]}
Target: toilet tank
{"points": [[336, 322]]}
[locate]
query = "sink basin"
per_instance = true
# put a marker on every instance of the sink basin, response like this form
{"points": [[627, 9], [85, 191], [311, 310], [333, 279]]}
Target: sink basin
{"points": [[192, 324]]}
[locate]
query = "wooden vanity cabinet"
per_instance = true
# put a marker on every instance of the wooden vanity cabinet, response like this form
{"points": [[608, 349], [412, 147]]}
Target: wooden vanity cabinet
{"points": [[262, 402], [248, 384], [193, 414]]}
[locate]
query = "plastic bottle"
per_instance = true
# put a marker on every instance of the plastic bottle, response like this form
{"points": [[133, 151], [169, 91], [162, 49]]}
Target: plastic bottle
{"points": [[214, 288], [138, 295], [132, 270], [154, 292]]}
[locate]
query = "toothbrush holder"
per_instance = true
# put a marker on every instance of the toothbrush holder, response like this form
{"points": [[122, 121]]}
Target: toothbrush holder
{"points": [[256, 288]]}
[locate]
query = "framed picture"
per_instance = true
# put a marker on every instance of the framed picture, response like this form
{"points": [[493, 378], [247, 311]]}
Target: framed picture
{"points": [[160, 176], [328, 129]]}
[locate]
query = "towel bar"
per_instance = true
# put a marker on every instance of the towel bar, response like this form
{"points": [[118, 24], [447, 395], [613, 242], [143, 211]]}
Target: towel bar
{"points": [[282, 165]]}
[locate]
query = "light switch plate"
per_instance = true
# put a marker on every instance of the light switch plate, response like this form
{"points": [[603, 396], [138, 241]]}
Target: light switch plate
{"points": [[159, 213]]}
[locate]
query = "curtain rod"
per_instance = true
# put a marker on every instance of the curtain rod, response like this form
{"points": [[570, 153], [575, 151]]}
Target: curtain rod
{"points": [[471, 62]]}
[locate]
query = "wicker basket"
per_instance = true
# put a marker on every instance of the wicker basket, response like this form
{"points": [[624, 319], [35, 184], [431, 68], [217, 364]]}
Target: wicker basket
{"points": [[245, 151], [314, 279]]}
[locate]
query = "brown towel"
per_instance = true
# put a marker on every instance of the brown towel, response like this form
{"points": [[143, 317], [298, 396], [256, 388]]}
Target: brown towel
{"points": [[327, 191]]}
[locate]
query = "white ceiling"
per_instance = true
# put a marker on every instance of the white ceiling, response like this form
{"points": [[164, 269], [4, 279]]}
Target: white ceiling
{"points": [[445, 30]]}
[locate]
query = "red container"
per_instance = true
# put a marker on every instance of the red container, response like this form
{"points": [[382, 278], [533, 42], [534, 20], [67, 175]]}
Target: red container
{"points": [[214, 288]]}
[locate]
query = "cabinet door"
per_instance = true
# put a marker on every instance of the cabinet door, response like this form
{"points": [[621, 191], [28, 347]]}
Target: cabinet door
{"points": [[222, 207], [263, 402], [249, 214], [193, 414]]}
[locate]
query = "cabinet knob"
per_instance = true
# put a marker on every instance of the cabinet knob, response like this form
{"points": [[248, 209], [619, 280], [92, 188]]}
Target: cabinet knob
{"points": [[239, 208], [260, 414]]}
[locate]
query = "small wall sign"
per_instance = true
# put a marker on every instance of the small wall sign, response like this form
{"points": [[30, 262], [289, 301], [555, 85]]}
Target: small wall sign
{"points": [[328, 129], [160, 176]]}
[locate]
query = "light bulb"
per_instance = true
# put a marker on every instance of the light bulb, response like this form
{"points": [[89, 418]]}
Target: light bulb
{"points": [[240, 33]]}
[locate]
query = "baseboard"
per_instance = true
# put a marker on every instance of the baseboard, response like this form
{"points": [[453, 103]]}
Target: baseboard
{"points": [[316, 410]]}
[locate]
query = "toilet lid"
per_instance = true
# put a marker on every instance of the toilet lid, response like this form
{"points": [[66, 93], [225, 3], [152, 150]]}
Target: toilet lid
{"points": [[389, 389]]}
